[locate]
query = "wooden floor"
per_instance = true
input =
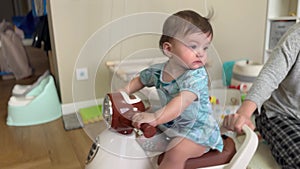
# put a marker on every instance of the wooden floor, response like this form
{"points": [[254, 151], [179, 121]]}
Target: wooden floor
{"points": [[45, 146]]}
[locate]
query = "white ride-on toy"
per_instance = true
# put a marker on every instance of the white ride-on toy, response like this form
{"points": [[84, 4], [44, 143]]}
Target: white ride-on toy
{"points": [[118, 146]]}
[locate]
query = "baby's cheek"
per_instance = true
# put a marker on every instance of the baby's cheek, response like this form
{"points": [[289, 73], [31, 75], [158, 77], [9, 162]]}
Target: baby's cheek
{"points": [[204, 59]]}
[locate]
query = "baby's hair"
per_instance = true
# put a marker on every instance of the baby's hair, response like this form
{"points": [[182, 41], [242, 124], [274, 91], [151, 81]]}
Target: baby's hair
{"points": [[183, 23]]}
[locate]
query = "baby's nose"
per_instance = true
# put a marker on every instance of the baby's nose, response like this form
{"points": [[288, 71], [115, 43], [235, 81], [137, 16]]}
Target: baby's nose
{"points": [[200, 53]]}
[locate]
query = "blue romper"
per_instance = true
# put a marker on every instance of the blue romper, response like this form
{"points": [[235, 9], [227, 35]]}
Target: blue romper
{"points": [[196, 121]]}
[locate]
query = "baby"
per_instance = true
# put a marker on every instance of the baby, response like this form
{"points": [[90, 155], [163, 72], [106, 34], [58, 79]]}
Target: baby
{"points": [[182, 86]]}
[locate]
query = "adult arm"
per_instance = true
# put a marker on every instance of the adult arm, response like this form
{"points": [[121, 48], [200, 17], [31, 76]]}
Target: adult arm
{"points": [[273, 73], [276, 68]]}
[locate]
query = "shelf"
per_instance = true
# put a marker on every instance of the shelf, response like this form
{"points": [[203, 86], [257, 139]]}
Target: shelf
{"points": [[282, 8], [281, 15], [288, 18], [269, 50]]}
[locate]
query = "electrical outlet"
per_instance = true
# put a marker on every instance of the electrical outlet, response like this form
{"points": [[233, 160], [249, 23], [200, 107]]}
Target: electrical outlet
{"points": [[82, 73]]}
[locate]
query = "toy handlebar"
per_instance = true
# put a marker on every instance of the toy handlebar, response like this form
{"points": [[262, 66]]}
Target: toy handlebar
{"points": [[148, 130], [122, 107]]}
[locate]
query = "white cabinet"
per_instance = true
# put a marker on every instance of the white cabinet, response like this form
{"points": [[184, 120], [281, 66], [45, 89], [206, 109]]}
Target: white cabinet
{"points": [[281, 14]]}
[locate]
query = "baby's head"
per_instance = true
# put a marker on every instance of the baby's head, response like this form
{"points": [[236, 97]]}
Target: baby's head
{"points": [[184, 23]]}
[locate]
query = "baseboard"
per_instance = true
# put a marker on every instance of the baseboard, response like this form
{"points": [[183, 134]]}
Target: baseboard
{"points": [[70, 108]]}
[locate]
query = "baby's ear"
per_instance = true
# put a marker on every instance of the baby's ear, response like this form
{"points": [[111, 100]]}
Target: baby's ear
{"points": [[167, 47]]}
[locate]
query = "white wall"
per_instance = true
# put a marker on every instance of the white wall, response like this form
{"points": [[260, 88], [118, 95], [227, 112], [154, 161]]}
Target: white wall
{"points": [[239, 27]]}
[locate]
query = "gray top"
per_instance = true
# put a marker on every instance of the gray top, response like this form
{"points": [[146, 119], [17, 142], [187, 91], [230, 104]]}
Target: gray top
{"points": [[277, 87]]}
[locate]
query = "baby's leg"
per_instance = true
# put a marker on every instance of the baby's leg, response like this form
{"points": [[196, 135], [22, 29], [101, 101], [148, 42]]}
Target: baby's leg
{"points": [[179, 150]]}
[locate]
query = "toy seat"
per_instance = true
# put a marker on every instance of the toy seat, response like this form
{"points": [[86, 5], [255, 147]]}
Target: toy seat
{"points": [[34, 104], [229, 158], [22, 90], [213, 157]]}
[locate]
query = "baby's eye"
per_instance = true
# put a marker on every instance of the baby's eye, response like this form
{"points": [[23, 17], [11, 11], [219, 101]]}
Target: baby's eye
{"points": [[206, 48], [193, 46]]}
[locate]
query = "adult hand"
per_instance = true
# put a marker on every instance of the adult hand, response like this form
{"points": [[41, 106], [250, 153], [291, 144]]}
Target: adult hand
{"points": [[236, 121]]}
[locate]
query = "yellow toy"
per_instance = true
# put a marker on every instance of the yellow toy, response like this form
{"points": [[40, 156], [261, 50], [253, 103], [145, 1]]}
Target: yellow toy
{"points": [[213, 100]]}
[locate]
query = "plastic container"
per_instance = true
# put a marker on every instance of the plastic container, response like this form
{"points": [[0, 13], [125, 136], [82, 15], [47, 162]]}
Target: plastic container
{"points": [[245, 72]]}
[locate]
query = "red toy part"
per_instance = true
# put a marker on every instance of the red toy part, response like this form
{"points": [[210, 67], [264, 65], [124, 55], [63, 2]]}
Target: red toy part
{"points": [[122, 113]]}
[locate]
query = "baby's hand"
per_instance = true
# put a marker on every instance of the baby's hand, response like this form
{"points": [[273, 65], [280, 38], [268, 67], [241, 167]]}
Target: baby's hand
{"points": [[140, 118]]}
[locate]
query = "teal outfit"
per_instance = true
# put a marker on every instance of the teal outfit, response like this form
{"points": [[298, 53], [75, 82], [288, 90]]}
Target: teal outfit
{"points": [[196, 121]]}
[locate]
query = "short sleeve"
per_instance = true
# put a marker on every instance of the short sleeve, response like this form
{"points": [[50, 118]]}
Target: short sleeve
{"points": [[195, 81], [150, 76]]}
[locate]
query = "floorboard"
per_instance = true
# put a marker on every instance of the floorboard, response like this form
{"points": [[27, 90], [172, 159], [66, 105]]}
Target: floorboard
{"points": [[44, 146]]}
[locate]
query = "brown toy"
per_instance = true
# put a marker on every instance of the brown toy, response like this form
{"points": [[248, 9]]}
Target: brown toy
{"points": [[118, 110]]}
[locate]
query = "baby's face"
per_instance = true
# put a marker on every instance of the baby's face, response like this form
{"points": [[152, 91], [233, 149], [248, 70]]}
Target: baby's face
{"points": [[191, 50]]}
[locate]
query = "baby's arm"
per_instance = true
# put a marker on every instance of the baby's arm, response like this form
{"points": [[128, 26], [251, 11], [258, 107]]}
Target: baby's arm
{"points": [[169, 112], [175, 107], [133, 86]]}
